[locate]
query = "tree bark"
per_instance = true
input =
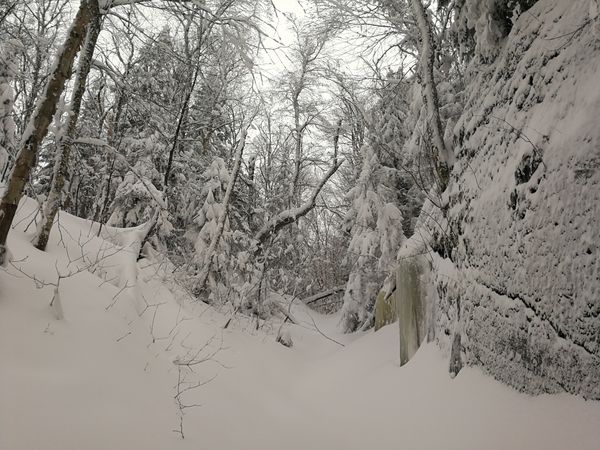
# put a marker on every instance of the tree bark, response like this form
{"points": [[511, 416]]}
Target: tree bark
{"points": [[61, 164], [427, 61], [37, 128]]}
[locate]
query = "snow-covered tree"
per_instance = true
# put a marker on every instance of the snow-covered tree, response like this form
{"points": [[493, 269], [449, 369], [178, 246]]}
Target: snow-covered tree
{"points": [[217, 257], [138, 195], [215, 179], [376, 229], [38, 26], [61, 174]]}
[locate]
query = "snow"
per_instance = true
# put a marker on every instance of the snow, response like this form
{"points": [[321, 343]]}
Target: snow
{"points": [[104, 376]]}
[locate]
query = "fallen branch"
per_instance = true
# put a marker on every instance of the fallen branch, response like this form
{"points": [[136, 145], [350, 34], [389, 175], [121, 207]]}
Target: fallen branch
{"points": [[322, 295]]}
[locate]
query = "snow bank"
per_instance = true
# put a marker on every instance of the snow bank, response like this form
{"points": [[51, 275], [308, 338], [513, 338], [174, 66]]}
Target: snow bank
{"points": [[107, 375]]}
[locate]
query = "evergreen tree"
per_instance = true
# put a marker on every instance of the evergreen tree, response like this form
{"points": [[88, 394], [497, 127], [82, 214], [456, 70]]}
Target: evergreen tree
{"points": [[138, 195], [376, 229]]}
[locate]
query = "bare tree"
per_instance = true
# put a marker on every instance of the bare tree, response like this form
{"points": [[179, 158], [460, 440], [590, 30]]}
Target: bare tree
{"points": [[308, 49]]}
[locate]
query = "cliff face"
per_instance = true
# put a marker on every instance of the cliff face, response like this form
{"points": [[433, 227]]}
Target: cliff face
{"points": [[521, 285]]}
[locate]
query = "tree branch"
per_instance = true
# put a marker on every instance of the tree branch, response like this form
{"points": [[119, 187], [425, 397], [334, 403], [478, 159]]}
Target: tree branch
{"points": [[292, 215]]}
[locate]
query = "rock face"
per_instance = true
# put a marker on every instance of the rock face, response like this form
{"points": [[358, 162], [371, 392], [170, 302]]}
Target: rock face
{"points": [[521, 286]]}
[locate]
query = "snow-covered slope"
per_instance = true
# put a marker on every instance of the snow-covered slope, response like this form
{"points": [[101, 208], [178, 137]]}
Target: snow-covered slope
{"points": [[104, 376], [523, 286]]}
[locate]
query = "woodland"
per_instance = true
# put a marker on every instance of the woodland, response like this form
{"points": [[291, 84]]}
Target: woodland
{"points": [[189, 179]]}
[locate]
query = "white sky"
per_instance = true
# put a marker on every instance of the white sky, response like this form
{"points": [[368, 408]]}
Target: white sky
{"points": [[274, 61], [291, 6]]}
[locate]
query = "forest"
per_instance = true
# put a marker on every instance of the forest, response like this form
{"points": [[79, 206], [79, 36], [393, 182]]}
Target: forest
{"points": [[311, 224]]}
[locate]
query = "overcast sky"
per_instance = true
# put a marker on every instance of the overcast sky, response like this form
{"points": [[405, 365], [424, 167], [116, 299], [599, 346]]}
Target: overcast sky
{"points": [[274, 61]]}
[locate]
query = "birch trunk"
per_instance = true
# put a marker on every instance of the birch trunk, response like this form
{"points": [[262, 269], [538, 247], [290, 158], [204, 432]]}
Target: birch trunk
{"points": [[37, 128], [61, 164]]}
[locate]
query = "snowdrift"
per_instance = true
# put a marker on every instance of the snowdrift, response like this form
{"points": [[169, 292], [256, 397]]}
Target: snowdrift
{"points": [[129, 361]]}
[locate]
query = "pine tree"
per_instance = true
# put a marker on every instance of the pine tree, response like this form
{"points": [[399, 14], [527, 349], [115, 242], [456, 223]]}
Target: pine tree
{"points": [[215, 179]]}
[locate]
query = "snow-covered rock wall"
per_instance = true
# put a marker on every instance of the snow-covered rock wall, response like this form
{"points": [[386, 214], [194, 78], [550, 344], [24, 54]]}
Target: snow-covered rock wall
{"points": [[521, 285]]}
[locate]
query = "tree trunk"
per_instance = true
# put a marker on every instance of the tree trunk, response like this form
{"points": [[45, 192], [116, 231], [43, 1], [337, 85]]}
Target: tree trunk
{"points": [[61, 163], [37, 128], [100, 213], [180, 121], [298, 135], [427, 61]]}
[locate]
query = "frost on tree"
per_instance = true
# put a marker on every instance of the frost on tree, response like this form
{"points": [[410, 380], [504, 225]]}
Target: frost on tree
{"points": [[396, 177], [37, 127], [406, 170]]}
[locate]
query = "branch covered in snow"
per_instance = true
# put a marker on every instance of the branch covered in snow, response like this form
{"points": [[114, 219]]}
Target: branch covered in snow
{"points": [[292, 215], [105, 5]]}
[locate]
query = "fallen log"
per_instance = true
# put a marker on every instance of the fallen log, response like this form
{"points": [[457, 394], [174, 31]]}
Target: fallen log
{"points": [[324, 294]]}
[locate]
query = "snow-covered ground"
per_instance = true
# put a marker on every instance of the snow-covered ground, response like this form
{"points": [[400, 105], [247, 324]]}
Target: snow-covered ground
{"points": [[105, 375]]}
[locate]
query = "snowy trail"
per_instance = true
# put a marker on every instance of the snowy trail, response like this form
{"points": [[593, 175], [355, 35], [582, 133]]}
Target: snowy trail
{"points": [[358, 398], [104, 376]]}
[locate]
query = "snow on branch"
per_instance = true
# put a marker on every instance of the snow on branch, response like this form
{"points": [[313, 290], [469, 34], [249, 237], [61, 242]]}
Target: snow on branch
{"points": [[291, 215], [102, 143], [321, 295], [105, 5]]}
